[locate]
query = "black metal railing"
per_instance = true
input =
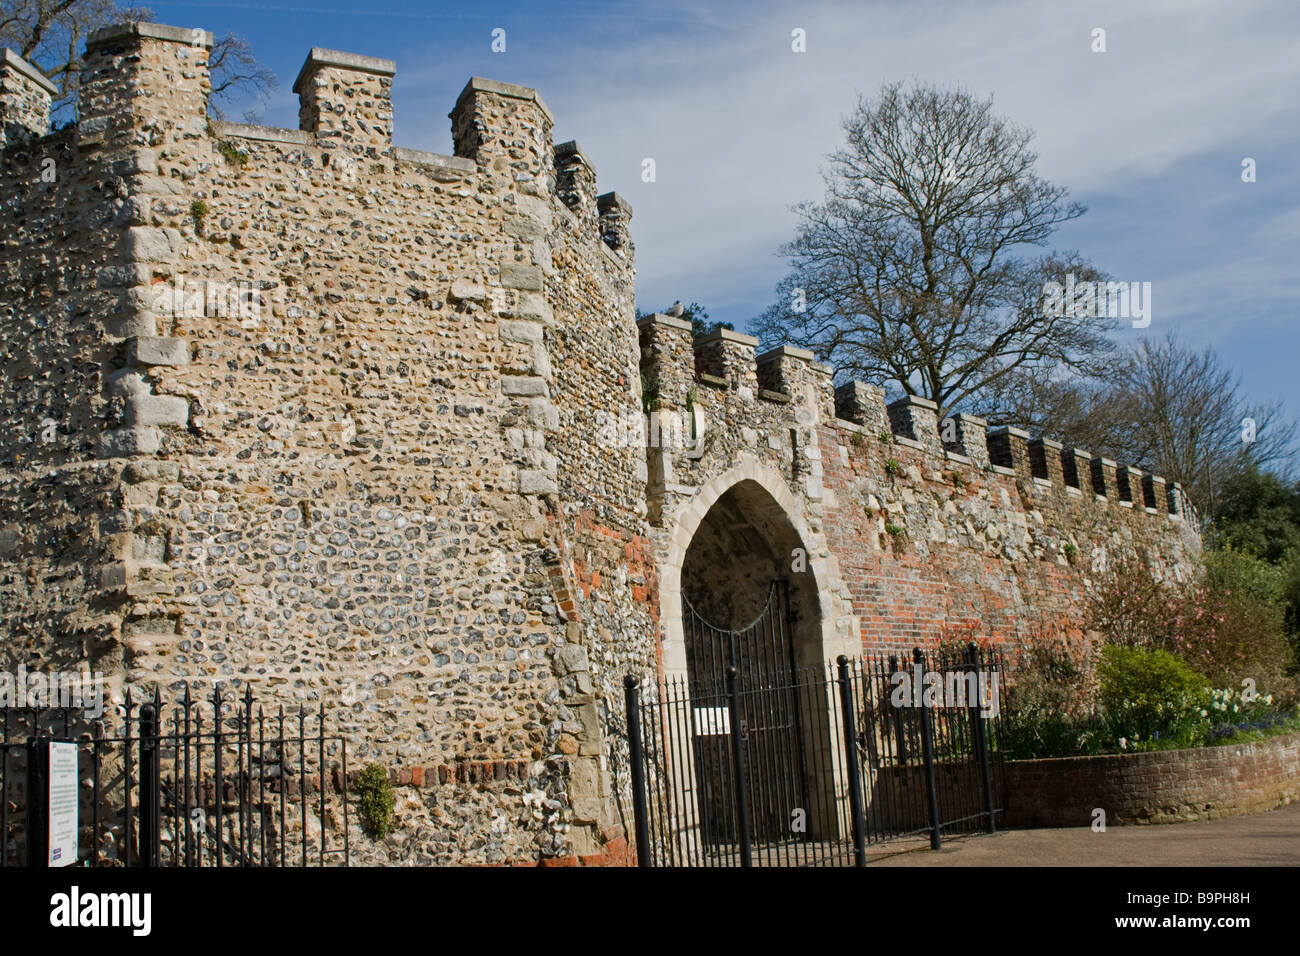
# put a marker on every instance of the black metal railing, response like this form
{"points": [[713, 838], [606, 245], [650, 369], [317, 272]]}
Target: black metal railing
{"points": [[887, 749], [202, 782]]}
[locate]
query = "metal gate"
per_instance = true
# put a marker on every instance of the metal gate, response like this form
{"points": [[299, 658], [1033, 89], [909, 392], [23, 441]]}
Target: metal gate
{"points": [[762, 652], [213, 782], [717, 766]]}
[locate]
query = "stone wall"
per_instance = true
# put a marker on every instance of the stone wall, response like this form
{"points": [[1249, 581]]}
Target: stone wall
{"points": [[1166, 786], [300, 387], [909, 539], [357, 425], [933, 544]]}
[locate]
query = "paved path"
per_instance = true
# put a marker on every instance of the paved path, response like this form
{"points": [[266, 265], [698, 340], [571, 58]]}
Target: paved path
{"points": [[1258, 839]]}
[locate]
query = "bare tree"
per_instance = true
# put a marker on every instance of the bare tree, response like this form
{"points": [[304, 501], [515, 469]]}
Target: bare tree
{"points": [[236, 72], [1199, 429], [52, 35], [1163, 406], [911, 271]]}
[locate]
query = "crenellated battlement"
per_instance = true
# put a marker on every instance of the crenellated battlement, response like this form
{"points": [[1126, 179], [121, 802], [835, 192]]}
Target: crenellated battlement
{"points": [[25, 98], [147, 76], [678, 361]]}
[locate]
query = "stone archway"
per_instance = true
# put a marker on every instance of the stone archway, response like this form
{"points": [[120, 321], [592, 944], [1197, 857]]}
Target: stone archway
{"points": [[826, 626], [743, 538]]}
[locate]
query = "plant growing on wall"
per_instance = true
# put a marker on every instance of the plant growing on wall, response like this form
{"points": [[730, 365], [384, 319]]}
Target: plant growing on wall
{"points": [[231, 154], [892, 467], [198, 209], [649, 392], [375, 800]]}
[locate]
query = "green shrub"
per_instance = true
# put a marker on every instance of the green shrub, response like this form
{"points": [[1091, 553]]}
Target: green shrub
{"points": [[375, 800], [1151, 699], [1230, 570], [892, 467]]}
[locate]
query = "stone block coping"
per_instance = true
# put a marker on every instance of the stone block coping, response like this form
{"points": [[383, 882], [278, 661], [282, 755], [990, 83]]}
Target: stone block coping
{"points": [[422, 158], [153, 31], [605, 200], [12, 60], [1009, 430], [658, 318], [786, 351], [504, 89], [319, 58], [726, 335], [916, 400], [266, 134], [571, 148]]}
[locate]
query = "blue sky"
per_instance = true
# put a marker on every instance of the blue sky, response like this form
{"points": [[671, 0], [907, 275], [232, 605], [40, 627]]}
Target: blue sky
{"points": [[1150, 135]]}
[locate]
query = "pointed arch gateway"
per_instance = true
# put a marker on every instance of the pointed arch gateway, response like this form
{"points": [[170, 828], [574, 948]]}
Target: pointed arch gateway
{"points": [[748, 582], [758, 492]]}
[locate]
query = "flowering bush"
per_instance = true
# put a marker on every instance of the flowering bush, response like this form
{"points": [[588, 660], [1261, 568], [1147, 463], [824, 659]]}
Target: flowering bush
{"points": [[1063, 700], [1150, 699], [1228, 625], [1128, 606], [1231, 626]]}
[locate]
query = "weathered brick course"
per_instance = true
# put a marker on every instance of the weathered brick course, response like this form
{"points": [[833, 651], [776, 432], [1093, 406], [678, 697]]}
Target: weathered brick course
{"points": [[1159, 787]]}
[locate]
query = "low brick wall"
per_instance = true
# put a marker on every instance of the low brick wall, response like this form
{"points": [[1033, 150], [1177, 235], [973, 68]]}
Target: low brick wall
{"points": [[1162, 787]]}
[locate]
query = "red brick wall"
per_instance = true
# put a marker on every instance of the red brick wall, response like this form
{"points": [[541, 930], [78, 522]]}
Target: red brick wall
{"points": [[1162, 787], [982, 553]]}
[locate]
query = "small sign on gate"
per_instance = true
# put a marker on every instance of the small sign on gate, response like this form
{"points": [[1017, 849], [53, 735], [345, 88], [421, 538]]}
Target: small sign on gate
{"points": [[712, 721]]}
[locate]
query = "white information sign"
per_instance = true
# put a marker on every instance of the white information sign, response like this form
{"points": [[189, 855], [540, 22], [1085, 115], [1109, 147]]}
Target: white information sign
{"points": [[713, 721], [63, 804]]}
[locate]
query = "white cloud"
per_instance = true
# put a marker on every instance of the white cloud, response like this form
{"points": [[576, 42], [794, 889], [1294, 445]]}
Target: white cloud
{"points": [[739, 125]]}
